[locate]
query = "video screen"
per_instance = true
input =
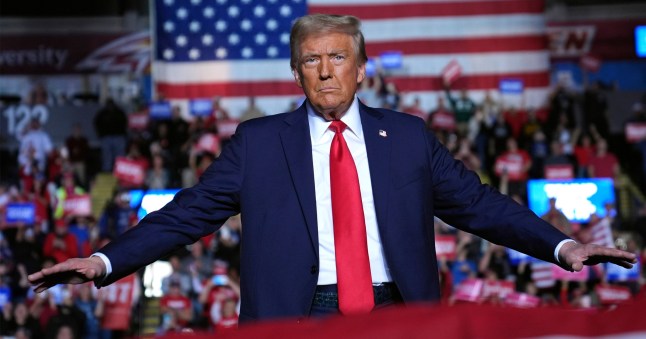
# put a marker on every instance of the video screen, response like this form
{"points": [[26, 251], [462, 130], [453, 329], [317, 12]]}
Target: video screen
{"points": [[576, 198], [147, 201]]}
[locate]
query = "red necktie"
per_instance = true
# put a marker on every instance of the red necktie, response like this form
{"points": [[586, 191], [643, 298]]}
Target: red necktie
{"points": [[354, 281]]}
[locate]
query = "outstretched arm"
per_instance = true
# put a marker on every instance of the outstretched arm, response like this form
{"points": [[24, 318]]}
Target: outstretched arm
{"points": [[71, 271], [574, 255]]}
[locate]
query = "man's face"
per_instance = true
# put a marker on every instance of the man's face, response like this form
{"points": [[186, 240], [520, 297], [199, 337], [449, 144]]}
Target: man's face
{"points": [[328, 72]]}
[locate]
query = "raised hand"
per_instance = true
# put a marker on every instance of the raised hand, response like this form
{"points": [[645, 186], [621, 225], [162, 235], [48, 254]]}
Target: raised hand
{"points": [[71, 271], [574, 255]]}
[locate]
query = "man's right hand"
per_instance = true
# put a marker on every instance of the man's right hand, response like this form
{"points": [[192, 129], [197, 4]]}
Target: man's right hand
{"points": [[71, 271]]}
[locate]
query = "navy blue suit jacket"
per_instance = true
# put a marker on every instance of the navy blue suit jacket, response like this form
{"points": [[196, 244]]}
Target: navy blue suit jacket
{"points": [[266, 174]]}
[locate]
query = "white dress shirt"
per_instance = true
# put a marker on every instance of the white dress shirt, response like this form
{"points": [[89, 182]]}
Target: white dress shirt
{"points": [[321, 136]]}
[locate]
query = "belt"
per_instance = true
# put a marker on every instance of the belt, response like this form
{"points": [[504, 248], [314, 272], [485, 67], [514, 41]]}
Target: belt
{"points": [[327, 295]]}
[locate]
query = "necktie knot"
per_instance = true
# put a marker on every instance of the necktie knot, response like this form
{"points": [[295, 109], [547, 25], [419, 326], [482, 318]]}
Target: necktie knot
{"points": [[338, 126]]}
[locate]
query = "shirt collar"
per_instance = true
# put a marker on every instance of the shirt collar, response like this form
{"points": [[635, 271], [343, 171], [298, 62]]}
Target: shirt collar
{"points": [[318, 124]]}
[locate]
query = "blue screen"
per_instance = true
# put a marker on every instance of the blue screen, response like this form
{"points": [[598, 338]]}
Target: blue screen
{"points": [[151, 200], [576, 198], [640, 41]]}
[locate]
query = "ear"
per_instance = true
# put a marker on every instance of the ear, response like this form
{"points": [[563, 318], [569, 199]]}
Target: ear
{"points": [[361, 75], [297, 77]]}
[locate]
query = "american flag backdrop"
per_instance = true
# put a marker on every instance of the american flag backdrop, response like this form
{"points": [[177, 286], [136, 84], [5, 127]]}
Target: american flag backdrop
{"points": [[240, 48]]}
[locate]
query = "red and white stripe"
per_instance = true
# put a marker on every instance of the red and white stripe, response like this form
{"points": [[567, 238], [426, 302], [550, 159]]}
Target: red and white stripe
{"points": [[491, 40], [602, 233], [542, 274]]}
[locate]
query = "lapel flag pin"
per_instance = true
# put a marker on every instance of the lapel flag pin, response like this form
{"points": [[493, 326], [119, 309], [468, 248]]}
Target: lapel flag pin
{"points": [[382, 133]]}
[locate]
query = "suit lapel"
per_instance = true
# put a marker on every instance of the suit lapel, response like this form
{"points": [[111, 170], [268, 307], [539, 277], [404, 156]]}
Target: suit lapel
{"points": [[297, 146], [378, 148]]}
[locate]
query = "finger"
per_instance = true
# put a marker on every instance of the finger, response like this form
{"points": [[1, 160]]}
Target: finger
{"points": [[35, 278], [577, 266], [623, 263]]}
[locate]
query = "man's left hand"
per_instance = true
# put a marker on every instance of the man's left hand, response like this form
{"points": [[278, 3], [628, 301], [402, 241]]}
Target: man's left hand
{"points": [[574, 255]]}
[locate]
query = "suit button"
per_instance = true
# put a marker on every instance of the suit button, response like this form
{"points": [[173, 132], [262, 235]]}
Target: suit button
{"points": [[314, 269]]}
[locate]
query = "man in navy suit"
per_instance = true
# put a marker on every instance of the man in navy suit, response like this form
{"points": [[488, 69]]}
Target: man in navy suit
{"points": [[275, 172]]}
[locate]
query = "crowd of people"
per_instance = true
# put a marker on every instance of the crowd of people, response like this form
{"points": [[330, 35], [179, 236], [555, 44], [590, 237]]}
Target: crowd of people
{"points": [[506, 146]]}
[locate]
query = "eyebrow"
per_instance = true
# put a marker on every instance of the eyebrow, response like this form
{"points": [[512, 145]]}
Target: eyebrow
{"points": [[332, 52]]}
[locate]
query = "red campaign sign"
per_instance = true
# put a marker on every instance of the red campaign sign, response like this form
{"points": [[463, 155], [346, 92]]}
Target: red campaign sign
{"points": [[635, 131], [511, 165], [469, 290], [78, 205], [561, 274], [612, 294], [226, 128], [522, 300], [443, 121], [559, 172], [129, 171], [445, 246], [209, 142], [118, 299], [138, 120], [497, 289], [590, 63], [451, 72]]}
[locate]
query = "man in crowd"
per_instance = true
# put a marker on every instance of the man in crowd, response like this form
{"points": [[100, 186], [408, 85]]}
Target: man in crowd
{"points": [[337, 200]]}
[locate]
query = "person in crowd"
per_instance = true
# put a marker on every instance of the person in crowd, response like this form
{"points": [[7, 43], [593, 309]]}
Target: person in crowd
{"points": [[494, 263], [218, 114], [463, 267], [175, 307], [441, 120], [111, 126], [369, 92], [252, 111], [228, 240], [228, 316], [68, 188], [595, 108], [516, 118], [538, 151], [478, 135], [603, 164], [416, 109], [16, 317], [69, 322], [499, 133], [583, 152], [529, 128], [86, 302], [157, 176], [216, 292], [61, 244], [179, 133], [392, 96], [34, 150], [83, 228], [557, 157], [78, 148], [562, 103], [118, 216], [514, 164], [177, 275], [267, 172], [462, 106]]}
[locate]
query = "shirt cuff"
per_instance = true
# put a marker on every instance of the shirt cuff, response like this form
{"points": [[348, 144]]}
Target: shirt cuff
{"points": [[558, 248], [106, 261]]}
